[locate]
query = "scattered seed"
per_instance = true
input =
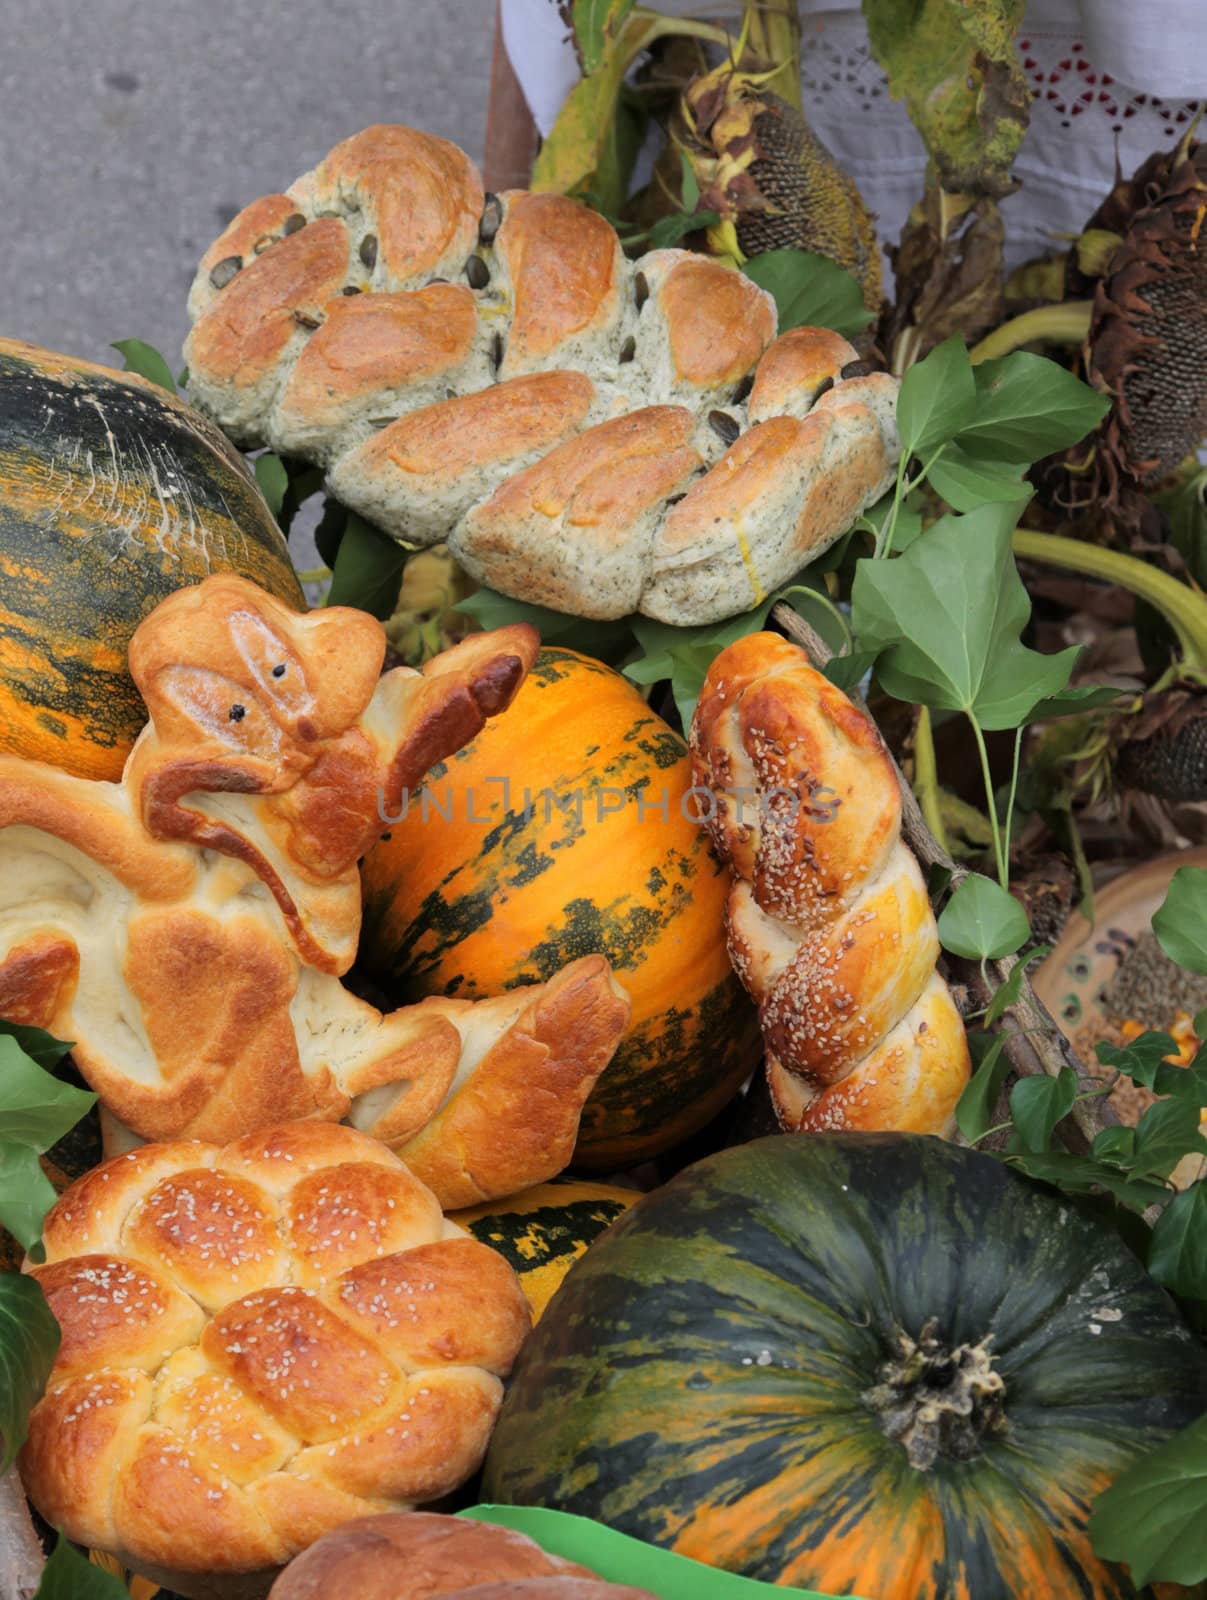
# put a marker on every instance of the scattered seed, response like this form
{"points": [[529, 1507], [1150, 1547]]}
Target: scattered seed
{"points": [[492, 216], [477, 272], [368, 251], [641, 289], [856, 369], [674, 499], [496, 351], [431, 281], [628, 349], [293, 222], [724, 426], [381, 422], [742, 392], [225, 271], [822, 388], [263, 243], [305, 320], [350, 289]]}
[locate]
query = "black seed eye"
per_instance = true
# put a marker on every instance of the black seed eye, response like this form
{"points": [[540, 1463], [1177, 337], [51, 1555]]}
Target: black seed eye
{"points": [[237, 713], [279, 672]]}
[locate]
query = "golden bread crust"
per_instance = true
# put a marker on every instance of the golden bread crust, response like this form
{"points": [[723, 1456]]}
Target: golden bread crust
{"points": [[829, 925], [260, 1341]]}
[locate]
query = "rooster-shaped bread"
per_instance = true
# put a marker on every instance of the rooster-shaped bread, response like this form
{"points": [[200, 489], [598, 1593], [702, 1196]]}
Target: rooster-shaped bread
{"points": [[188, 926]]}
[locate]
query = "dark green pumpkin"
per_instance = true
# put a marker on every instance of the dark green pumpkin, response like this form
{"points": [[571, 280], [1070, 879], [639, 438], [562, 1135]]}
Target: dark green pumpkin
{"points": [[113, 494], [722, 1373]]}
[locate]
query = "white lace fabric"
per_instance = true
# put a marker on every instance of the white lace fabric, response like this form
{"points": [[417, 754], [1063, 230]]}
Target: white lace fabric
{"points": [[1110, 79]]}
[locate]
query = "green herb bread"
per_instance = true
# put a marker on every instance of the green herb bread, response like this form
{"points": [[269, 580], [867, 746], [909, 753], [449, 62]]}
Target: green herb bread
{"points": [[587, 433], [868, 1364]]}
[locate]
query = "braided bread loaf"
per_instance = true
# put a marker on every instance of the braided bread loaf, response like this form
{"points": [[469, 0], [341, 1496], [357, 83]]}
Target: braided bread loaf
{"points": [[829, 924], [583, 431], [260, 1342]]}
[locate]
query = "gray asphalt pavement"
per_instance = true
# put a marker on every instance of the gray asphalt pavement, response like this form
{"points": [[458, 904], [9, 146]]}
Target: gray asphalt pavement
{"points": [[132, 130]]}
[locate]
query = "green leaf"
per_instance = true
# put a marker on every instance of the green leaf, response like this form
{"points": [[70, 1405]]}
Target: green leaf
{"points": [[597, 25], [1070, 702], [669, 230], [35, 1109], [948, 615], [273, 480], [368, 569], [330, 532], [146, 361], [937, 396], [1037, 1104], [43, 1047], [810, 291], [1166, 1132], [182, 381], [982, 920], [1115, 1146], [70, 1576], [29, 1342], [606, 641], [689, 188], [1153, 1517], [684, 655], [1181, 922], [848, 672], [1028, 407], [1177, 1252], [1080, 1175], [1140, 1058], [26, 1193], [819, 611], [1007, 993], [909, 521], [975, 1109], [966, 483]]}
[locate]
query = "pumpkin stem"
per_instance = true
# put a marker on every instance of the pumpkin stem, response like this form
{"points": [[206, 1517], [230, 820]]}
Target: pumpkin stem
{"points": [[939, 1401]]}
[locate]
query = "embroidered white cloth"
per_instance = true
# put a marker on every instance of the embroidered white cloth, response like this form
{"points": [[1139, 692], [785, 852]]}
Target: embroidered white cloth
{"points": [[1106, 75]]}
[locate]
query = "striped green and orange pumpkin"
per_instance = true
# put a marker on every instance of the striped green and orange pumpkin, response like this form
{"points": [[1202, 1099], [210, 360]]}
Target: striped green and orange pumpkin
{"points": [[113, 494], [545, 839], [867, 1364], [543, 1231]]}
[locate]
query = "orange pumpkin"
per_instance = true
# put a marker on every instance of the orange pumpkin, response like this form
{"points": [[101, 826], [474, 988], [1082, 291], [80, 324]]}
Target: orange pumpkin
{"points": [[567, 827]]}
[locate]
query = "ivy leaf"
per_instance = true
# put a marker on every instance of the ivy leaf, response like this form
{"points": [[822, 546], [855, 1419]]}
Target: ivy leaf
{"points": [[684, 655], [1181, 922], [1140, 1058], [936, 397], [668, 231], [981, 920], [1115, 1146], [41, 1046], [29, 1342], [606, 641], [848, 672], [1037, 1105], [273, 480], [70, 1576], [1071, 702], [35, 1109], [368, 569], [948, 615], [1082, 1175], [26, 1193], [1153, 1518], [1028, 407], [1007, 993], [975, 1108], [330, 532], [810, 291], [1177, 1252], [966, 483], [145, 360], [1166, 1132]]}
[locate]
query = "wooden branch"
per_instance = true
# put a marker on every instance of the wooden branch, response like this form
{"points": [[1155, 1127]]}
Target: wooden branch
{"points": [[512, 139], [21, 1557], [1037, 1045]]}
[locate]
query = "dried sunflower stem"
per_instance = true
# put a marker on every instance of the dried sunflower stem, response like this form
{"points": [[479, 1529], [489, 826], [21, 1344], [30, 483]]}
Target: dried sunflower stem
{"points": [[1034, 1043]]}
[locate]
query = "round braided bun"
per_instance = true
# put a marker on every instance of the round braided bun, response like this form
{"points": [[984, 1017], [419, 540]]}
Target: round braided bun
{"points": [[424, 1556], [260, 1342], [491, 371], [829, 923]]}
